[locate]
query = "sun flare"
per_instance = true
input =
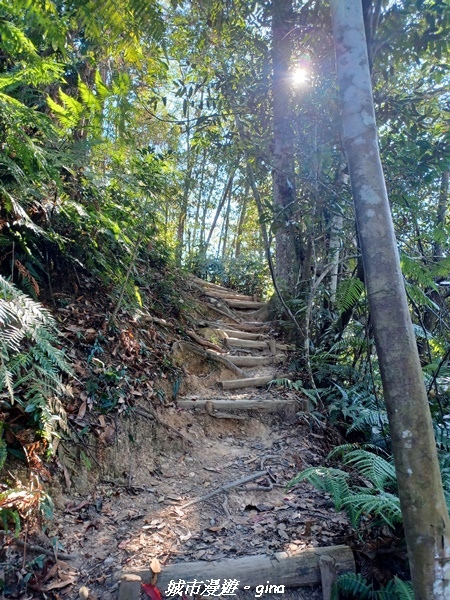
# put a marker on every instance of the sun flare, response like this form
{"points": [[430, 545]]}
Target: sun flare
{"points": [[300, 76]]}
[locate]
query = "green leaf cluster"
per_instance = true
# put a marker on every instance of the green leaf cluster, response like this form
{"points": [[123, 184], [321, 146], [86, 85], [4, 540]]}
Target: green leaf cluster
{"points": [[31, 363]]}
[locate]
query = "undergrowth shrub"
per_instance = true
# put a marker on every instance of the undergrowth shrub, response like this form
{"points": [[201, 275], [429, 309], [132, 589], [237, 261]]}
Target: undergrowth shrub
{"points": [[353, 586], [31, 364], [368, 491]]}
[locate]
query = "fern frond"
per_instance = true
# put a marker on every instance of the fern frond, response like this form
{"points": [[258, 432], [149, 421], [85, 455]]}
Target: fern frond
{"points": [[382, 505], [30, 363], [332, 481], [373, 467], [355, 585], [348, 294]]}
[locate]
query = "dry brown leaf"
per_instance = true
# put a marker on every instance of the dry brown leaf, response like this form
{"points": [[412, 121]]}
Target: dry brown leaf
{"points": [[82, 410], [110, 434], [155, 566], [58, 584], [52, 572]]}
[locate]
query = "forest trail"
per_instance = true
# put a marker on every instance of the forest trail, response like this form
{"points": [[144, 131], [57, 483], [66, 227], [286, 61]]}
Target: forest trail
{"points": [[211, 487]]}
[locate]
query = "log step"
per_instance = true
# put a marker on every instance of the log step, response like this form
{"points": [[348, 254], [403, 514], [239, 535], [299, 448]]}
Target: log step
{"points": [[293, 569], [243, 335], [208, 284], [236, 384], [227, 295], [240, 343], [246, 304], [252, 327], [227, 405], [255, 361]]}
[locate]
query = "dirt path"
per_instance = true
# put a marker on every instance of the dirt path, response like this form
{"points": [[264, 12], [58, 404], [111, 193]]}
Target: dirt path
{"points": [[148, 504]]}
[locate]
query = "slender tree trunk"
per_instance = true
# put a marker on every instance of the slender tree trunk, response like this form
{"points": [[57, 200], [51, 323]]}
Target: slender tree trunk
{"points": [[441, 215], [226, 224], [424, 511], [185, 198], [335, 245], [206, 206], [226, 191], [284, 194], [199, 201], [240, 227]]}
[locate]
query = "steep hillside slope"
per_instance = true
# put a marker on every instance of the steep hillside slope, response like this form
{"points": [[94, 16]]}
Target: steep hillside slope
{"points": [[178, 449]]}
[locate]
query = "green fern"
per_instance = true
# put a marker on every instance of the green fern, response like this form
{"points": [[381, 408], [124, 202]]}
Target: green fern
{"points": [[354, 585], [377, 500], [375, 468], [379, 507], [348, 294], [30, 362], [327, 479]]}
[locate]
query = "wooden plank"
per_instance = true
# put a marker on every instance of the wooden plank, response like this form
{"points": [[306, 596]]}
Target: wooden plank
{"points": [[255, 361], [239, 343], [227, 295], [256, 327], [243, 335], [246, 304], [130, 587], [251, 327], [236, 384], [221, 405], [285, 346], [294, 569], [208, 284], [328, 575]]}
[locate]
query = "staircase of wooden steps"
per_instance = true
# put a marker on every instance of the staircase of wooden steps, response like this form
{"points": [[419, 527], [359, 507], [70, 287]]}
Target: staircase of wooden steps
{"points": [[244, 342], [247, 344]]}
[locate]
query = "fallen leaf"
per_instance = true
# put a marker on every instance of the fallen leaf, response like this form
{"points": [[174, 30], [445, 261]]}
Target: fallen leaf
{"points": [[155, 566], [152, 591], [82, 410], [59, 584], [79, 506], [51, 572]]}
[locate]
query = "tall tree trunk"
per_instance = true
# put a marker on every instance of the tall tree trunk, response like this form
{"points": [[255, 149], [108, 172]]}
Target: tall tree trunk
{"points": [[206, 206], [190, 160], [424, 511], [441, 215], [335, 245], [199, 201], [226, 191], [226, 223], [242, 215], [284, 194]]}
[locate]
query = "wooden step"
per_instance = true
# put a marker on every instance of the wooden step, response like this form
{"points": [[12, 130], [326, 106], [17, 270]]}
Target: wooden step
{"points": [[251, 327], [255, 361], [227, 405], [236, 384], [227, 295], [240, 343], [242, 335], [245, 304], [245, 326], [209, 285], [300, 567]]}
